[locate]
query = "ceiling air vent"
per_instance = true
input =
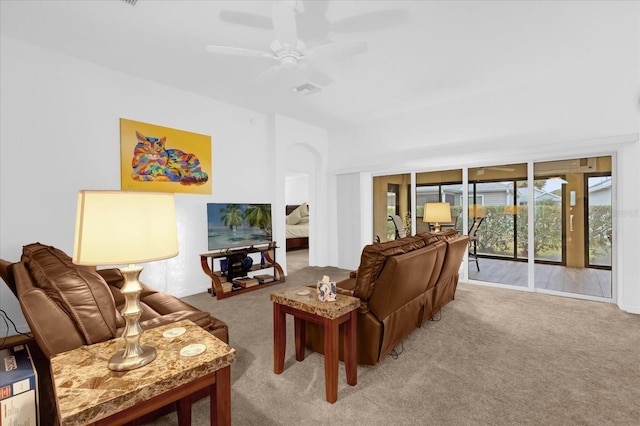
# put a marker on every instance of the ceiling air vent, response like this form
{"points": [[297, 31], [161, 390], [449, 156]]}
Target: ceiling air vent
{"points": [[131, 2], [307, 89]]}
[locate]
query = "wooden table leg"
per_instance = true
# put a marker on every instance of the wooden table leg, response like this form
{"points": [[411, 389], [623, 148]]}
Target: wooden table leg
{"points": [[331, 346], [351, 349], [220, 398], [279, 338], [184, 411], [300, 330]]}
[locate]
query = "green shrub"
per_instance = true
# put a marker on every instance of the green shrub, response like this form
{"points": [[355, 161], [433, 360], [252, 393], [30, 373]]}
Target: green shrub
{"points": [[495, 236]]}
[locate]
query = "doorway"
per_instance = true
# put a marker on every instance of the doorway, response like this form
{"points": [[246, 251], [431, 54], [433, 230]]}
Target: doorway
{"points": [[297, 193]]}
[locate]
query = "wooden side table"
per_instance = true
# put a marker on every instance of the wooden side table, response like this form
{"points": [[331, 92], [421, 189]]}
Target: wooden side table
{"points": [[327, 314], [87, 392]]}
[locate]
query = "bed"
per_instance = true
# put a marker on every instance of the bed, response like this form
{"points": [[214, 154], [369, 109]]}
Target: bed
{"points": [[297, 221]]}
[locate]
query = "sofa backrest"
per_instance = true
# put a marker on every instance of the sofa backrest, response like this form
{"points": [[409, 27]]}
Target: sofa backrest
{"points": [[78, 290], [7, 276], [373, 258], [444, 235], [403, 279], [456, 248], [441, 251]]}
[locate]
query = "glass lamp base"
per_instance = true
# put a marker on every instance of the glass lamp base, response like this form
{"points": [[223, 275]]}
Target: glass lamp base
{"points": [[119, 363]]}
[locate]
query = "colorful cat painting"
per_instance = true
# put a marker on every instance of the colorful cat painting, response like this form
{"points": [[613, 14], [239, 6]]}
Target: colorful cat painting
{"points": [[152, 161]]}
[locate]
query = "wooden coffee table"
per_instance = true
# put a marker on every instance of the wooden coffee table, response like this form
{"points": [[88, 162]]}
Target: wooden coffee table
{"points": [[327, 314], [87, 392]]}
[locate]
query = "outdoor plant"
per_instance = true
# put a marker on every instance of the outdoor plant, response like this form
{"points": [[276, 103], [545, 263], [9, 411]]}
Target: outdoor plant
{"points": [[495, 235]]}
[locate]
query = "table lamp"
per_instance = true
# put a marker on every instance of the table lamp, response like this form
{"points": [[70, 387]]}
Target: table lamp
{"points": [[436, 213], [126, 227]]}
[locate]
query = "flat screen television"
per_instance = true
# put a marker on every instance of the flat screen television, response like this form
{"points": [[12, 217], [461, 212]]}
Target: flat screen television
{"points": [[238, 225]]}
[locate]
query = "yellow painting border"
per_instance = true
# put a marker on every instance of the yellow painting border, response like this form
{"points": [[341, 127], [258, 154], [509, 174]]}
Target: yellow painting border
{"points": [[188, 142]]}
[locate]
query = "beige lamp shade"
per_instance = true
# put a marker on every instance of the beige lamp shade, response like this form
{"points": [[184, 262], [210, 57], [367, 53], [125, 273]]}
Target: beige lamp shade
{"points": [[437, 213], [124, 227]]}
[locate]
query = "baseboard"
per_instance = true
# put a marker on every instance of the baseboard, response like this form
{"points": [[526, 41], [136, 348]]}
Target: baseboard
{"points": [[630, 309]]}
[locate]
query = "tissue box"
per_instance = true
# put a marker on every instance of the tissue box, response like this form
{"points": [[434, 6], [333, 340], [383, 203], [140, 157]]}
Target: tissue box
{"points": [[326, 291], [18, 387]]}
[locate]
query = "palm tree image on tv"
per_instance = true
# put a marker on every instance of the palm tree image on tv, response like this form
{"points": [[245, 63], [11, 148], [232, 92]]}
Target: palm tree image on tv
{"points": [[238, 225], [232, 216], [259, 216]]}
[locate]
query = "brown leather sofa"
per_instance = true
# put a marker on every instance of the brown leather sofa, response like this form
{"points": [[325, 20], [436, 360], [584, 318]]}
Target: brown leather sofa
{"points": [[68, 306], [400, 284]]}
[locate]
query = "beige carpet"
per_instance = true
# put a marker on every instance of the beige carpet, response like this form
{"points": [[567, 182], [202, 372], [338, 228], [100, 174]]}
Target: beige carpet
{"points": [[498, 357], [297, 260]]}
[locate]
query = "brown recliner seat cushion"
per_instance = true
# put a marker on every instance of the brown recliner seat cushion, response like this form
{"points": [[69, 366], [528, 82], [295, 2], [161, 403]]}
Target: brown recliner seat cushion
{"points": [[78, 290]]}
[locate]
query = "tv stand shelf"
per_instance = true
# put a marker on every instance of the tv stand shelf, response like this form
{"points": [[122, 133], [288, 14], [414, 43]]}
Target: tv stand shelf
{"points": [[234, 258]]}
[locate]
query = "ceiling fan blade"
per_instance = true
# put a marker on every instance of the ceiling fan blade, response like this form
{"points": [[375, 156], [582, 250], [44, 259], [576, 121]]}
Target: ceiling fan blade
{"points": [[314, 75], [371, 21], [238, 51], [247, 19], [268, 75], [284, 24], [337, 51]]}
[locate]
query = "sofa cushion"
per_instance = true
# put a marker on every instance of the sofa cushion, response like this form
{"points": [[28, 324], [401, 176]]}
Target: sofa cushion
{"points": [[373, 259], [78, 290], [444, 235]]}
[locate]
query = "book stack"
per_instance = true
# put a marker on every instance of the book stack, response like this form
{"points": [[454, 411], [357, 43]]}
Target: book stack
{"points": [[265, 278], [246, 282]]}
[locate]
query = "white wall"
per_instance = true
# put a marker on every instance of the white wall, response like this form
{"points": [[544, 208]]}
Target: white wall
{"points": [[59, 133], [296, 188]]}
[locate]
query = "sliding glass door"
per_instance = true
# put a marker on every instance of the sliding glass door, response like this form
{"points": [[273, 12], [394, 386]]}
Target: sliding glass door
{"points": [[443, 186], [568, 202], [391, 198], [573, 226], [498, 200]]}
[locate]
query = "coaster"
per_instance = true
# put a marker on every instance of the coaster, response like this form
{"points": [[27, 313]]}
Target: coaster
{"points": [[303, 292], [174, 332], [193, 349]]}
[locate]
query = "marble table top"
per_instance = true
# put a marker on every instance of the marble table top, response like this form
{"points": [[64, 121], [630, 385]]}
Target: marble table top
{"points": [[294, 298], [86, 390]]}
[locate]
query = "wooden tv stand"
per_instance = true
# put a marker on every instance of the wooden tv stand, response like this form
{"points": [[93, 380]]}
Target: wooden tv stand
{"points": [[234, 258]]}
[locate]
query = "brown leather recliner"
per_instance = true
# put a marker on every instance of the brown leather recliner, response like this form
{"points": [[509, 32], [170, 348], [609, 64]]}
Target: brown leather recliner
{"points": [[68, 306], [448, 265], [400, 284]]}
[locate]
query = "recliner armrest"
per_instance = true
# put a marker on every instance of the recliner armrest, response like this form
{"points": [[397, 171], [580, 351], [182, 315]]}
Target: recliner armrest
{"points": [[347, 286]]}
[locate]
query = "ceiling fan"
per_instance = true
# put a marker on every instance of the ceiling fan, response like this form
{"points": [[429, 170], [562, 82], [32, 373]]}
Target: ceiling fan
{"points": [[313, 23], [290, 52]]}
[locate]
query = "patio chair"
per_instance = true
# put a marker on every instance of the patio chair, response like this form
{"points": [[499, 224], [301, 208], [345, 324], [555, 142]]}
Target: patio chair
{"points": [[399, 225], [473, 241]]}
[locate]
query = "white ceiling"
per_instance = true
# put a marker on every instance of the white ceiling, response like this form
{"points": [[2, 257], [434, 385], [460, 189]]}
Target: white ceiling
{"points": [[429, 53]]}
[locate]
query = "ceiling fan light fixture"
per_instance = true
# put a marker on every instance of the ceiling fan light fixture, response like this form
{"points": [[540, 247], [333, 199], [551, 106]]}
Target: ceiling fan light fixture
{"points": [[306, 89], [289, 61]]}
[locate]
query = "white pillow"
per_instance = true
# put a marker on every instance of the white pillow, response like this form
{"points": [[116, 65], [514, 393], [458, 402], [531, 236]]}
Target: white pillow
{"points": [[304, 209], [294, 217]]}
